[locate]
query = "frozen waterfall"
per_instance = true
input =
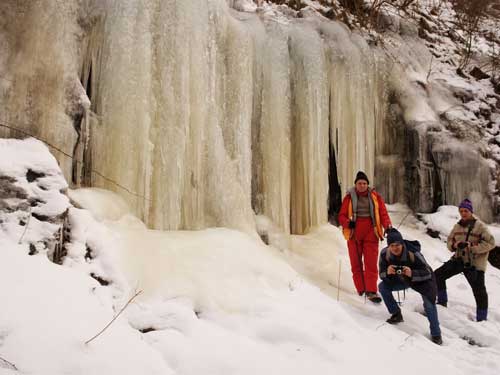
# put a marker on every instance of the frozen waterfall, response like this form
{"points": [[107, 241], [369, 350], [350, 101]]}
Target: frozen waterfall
{"points": [[199, 115]]}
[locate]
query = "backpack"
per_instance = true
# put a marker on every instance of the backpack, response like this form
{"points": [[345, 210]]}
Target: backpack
{"points": [[494, 257], [412, 247]]}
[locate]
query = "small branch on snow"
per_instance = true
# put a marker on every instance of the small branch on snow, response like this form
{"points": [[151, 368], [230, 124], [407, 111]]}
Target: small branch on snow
{"points": [[116, 316], [404, 342], [25, 228], [6, 364], [430, 70]]}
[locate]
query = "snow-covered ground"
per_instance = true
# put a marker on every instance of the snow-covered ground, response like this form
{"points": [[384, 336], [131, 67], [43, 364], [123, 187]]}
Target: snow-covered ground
{"points": [[215, 301]]}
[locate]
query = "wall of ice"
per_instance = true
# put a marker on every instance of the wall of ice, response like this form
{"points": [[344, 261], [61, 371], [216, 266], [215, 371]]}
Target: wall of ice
{"points": [[199, 115]]}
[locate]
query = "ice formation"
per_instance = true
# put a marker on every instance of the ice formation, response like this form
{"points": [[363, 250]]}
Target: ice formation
{"points": [[201, 115]]}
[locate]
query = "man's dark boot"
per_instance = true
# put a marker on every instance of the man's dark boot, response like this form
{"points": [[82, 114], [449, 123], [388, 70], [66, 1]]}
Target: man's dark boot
{"points": [[374, 297], [395, 318], [437, 340], [442, 298], [481, 314]]}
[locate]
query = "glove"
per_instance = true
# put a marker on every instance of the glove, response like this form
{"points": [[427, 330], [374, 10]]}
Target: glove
{"points": [[352, 224], [462, 245], [388, 230]]}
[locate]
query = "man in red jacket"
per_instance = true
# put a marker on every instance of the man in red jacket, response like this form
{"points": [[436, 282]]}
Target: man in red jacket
{"points": [[364, 219]]}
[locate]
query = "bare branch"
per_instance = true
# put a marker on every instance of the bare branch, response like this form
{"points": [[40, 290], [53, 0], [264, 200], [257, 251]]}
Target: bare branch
{"points": [[116, 316], [429, 72], [25, 228], [9, 365]]}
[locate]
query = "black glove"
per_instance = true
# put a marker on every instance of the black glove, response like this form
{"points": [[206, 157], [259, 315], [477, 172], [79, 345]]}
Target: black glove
{"points": [[388, 230], [352, 224]]}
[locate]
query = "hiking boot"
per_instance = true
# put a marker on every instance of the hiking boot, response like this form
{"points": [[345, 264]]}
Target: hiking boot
{"points": [[442, 298], [437, 340], [481, 314], [395, 318], [374, 297]]}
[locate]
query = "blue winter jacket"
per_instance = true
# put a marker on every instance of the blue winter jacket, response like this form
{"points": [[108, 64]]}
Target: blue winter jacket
{"points": [[422, 279]]}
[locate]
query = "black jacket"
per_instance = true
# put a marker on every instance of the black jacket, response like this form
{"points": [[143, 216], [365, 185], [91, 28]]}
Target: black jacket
{"points": [[422, 279]]}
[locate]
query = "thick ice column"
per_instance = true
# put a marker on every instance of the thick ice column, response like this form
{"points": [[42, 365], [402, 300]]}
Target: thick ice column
{"points": [[235, 85], [271, 134], [357, 102], [229, 167], [120, 143], [309, 160], [176, 134], [276, 121]]}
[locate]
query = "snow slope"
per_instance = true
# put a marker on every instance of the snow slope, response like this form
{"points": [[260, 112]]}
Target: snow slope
{"points": [[217, 301]]}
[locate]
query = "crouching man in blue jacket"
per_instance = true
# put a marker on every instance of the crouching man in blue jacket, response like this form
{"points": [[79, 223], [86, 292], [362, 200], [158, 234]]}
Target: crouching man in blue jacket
{"points": [[402, 266]]}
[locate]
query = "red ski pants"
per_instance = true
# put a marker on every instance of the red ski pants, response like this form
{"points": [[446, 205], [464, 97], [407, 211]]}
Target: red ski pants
{"points": [[363, 248]]}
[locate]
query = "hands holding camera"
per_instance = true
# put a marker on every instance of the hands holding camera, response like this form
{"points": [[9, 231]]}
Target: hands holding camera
{"points": [[462, 246], [399, 270]]}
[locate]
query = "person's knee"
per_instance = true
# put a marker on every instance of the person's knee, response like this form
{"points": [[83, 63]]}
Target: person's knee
{"points": [[439, 273], [428, 302], [382, 287]]}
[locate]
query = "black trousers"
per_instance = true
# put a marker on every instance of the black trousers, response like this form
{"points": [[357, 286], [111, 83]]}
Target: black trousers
{"points": [[474, 277]]}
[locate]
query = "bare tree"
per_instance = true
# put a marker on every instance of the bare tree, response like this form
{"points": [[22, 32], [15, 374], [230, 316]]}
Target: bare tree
{"points": [[469, 15]]}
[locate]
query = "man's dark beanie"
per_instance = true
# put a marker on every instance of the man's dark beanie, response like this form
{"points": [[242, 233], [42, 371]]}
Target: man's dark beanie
{"points": [[361, 176], [393, 236]]}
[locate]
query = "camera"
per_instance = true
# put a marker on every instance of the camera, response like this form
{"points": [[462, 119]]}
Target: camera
{"points": [[398, 269]]}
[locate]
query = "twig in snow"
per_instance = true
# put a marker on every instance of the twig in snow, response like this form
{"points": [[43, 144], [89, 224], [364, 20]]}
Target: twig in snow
{"points": [[25, 228], [404, 342], [430, 70], [116, 316], [9, 365], [404, 218]]}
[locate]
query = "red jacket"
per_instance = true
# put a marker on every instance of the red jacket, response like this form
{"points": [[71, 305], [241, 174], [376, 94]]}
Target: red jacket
{"points": [[380, 217]]}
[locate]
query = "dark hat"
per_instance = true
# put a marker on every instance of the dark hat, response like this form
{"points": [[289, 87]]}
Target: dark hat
{"points": [[393, 236], [361, 176], [466, 204]]}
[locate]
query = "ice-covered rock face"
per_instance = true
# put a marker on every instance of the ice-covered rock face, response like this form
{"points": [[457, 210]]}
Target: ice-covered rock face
{"points": [[433, 150], [199, 116]]}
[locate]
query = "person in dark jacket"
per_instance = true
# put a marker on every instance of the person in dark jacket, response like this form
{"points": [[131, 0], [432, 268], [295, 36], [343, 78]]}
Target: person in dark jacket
{"points": [[364, 219], [470, 241], [400, 269]]}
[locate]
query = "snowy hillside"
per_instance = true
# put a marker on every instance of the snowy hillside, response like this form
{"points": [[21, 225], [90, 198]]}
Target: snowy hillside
{"points": [[215, 301]]}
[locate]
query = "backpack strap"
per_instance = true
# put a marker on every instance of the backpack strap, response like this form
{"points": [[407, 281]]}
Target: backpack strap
{"points": [[411, 255], [471, 226], [354, 202]]}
